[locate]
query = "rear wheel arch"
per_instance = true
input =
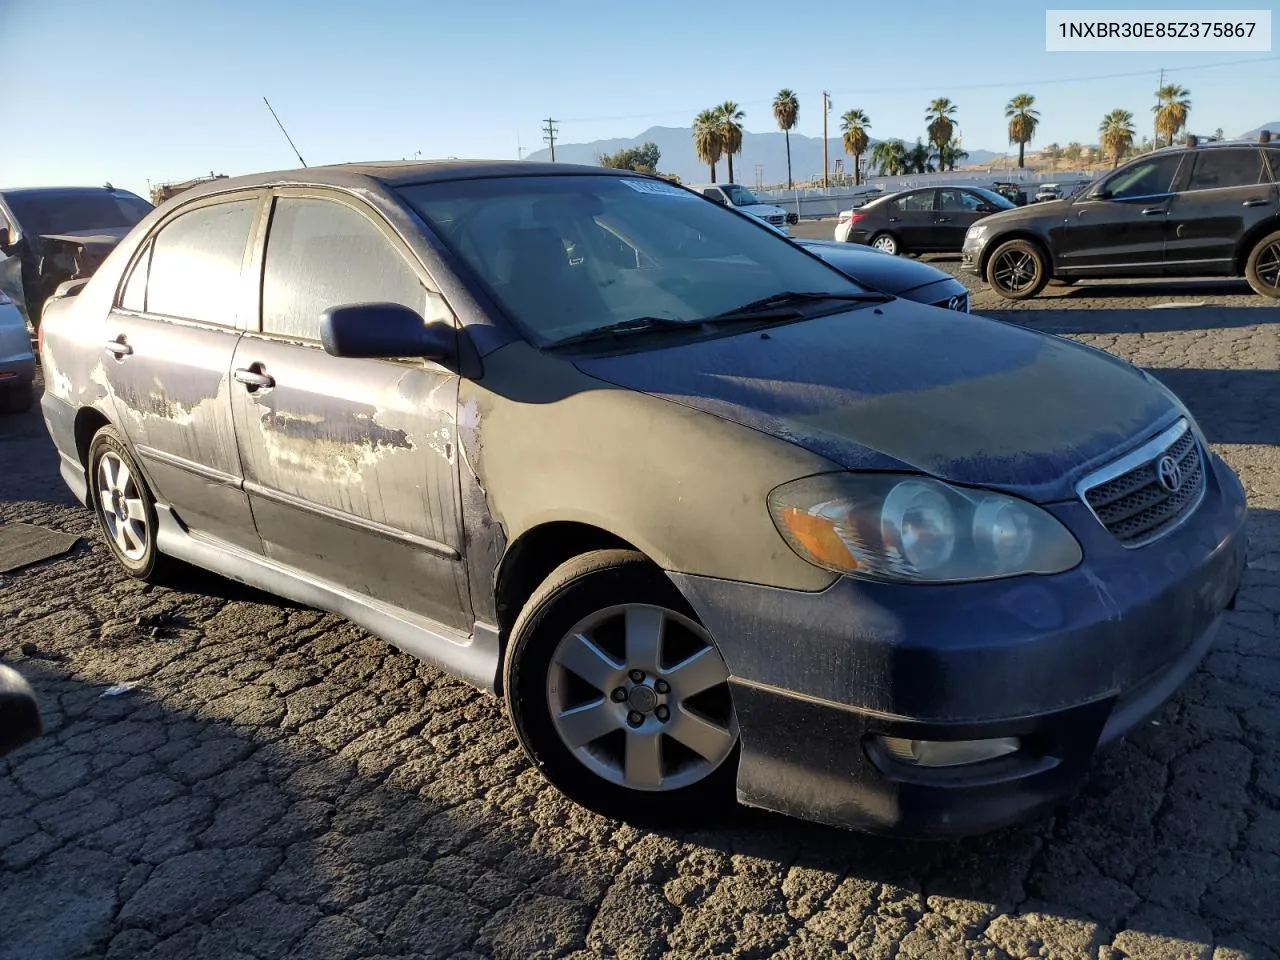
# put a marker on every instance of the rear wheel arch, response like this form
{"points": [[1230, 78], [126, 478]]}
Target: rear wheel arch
{"points": [[89, 420], [1250, 240]]}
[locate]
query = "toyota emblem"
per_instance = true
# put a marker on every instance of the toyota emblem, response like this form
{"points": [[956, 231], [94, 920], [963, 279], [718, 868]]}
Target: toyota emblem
{"points": [[956, 303], [1168, 473]]}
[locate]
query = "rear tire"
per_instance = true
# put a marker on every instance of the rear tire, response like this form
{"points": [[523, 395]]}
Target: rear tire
{"points": [[886, 243], [1262, 269], [125, 508], [643, 732], [1017, 270]]}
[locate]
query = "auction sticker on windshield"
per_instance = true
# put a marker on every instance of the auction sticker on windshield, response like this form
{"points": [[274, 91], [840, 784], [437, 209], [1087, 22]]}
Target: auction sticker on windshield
{"points": [[659, 188], [1240, 31]]}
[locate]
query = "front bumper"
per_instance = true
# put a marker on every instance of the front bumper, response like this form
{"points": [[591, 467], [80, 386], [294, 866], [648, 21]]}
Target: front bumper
{"points": [[971, 256], [1065, 663]]}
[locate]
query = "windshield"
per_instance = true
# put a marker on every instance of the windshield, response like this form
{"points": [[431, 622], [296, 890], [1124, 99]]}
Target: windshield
{"points": [[740, 196], [564, 255], [42, 213]]}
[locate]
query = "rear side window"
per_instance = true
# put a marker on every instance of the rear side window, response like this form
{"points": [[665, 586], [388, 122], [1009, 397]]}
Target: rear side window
{"points": [[323, 254], [921, 202], [1227, 168], [196, 261]]}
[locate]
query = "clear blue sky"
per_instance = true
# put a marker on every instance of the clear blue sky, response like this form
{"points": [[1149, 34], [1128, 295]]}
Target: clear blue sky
{"points": [[131, 91]]}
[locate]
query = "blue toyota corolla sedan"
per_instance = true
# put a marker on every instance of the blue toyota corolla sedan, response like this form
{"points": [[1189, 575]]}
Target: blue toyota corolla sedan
{"points": [[715, 520]]}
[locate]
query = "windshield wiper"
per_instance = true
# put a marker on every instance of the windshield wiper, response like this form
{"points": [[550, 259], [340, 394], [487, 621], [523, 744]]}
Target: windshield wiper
{"points": [[622, 327], [788, 298]]}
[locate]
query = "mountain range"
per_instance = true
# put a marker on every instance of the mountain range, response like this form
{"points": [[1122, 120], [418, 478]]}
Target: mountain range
{"points": [[769, 150]]}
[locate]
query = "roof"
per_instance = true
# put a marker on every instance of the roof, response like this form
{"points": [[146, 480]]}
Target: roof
{"points": [[391, 173], [47, 191]]}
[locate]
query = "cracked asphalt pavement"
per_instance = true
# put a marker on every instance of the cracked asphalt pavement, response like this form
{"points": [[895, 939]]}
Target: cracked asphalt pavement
{"points": [[279, 784]]}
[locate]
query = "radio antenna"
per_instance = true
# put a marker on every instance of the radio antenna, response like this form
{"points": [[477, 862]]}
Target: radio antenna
{"points": [[284, 131]]}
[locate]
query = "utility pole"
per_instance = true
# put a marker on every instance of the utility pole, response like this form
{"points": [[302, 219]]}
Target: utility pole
{"points": [[519, 148], [1155, 124], [826, 109], [549, 137], [759, 176]]}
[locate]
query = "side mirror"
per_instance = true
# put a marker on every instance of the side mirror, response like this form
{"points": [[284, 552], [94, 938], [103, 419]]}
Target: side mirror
{"points": [[19, 712], [986, 208], [384, 330], [1099, 194]]}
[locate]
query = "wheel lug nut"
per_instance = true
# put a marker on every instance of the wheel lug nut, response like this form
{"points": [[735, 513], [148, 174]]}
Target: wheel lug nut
{"points": [[619, 694], [637, 676], [662, 713], [635, 719], [662, 686]]}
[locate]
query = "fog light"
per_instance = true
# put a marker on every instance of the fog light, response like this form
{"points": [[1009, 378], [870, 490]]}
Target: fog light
{"points": [[947, 753]]}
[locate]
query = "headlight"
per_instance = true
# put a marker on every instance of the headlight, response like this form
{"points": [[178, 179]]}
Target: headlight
{"points": [[976, 232], [917, 530]]}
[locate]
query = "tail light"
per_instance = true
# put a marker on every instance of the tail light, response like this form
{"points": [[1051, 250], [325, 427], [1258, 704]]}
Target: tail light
{"points": [[855, 217]]}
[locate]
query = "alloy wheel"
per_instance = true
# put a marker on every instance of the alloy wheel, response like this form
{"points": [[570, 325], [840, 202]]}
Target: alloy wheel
{"points": [[123, 510], [639, 694], [885, 244], [1268, 265], [1014, 270]]}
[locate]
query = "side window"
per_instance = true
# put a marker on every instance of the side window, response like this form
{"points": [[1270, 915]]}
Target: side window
{"points": [[714, 194], [957, 201], [920, 202], [1146, 178], [972, 201], [323, 254], [196, 261], [1227, 168], [134, 296]]}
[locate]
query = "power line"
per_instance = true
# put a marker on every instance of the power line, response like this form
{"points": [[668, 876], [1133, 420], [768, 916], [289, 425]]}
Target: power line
{"points": [[933, 88], [549, 137]]}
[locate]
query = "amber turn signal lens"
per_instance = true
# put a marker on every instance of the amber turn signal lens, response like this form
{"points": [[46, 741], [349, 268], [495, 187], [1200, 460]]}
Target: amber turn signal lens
{"points": [[818, 536]]}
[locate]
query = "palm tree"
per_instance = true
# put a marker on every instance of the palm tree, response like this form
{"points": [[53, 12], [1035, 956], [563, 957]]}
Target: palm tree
{"points": [[1023, 121], [919, 158], [708, 139], [949, 154], [1052, 152], [786, 110], [1073, 151], [939, 117], [890, 156], [730, 131], [1116, 135], [854, 123], [1173, 103]]}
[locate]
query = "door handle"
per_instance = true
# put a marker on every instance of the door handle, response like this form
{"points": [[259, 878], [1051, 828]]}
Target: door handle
{"points": [[894, 219], [118, 348], [1257, 202], [253, 377], [1153, 211], [943, 220]]}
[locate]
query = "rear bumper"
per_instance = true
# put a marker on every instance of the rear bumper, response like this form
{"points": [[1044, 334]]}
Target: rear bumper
{"points": [[60, 421], [17, 369], [1065, 663]]}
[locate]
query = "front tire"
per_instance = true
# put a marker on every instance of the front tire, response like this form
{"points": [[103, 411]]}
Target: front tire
{"points": [[618, 694], [125, 508], [1017, 270], [1262, 269], [886, 243]]}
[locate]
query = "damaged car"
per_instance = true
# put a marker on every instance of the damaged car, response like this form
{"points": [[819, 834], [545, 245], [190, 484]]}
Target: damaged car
{"points": [[713, 519], [50, 235]]}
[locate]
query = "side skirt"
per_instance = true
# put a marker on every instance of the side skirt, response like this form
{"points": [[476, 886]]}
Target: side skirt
{"points": [[474, 659]]}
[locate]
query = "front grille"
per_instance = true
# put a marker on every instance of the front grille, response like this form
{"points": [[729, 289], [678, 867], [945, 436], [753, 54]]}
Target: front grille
{"points": [[1147, 498], [777, 219]]}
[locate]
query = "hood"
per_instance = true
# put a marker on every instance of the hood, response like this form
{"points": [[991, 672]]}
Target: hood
{"points": [[1032, 211], [905, 387], [760, 209], [870, 267]]}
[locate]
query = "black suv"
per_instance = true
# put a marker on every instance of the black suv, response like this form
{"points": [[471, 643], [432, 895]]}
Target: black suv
{"points": [[1201, 210]]}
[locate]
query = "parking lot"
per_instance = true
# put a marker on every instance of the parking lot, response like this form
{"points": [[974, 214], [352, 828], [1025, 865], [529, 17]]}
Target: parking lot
{"points": [[278, 783]]}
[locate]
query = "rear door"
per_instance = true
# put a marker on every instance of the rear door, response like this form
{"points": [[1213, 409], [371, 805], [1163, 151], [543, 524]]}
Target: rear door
{"points": [[1228, 193], [351, 465], [912, 221], [169, 342]]}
